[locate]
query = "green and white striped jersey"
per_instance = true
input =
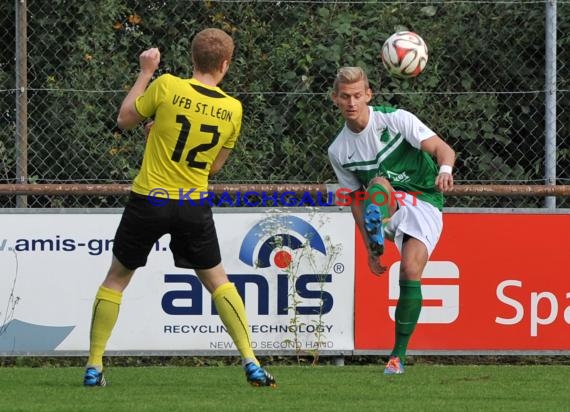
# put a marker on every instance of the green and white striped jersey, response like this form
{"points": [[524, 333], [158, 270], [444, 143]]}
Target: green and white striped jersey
{"points": [[389, 146]]}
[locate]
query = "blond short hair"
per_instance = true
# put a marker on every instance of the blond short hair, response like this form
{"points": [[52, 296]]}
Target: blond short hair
{"points": [[348, 75]]}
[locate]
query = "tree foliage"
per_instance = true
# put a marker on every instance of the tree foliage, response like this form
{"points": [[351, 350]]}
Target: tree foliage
{"points": [[482, 90]]}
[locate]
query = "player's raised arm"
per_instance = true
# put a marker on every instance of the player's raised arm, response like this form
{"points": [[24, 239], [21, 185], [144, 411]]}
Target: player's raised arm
{"points": [[128, 115]]}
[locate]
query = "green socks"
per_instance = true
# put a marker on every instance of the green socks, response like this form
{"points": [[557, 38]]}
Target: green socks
{"points": [[407, 314]]}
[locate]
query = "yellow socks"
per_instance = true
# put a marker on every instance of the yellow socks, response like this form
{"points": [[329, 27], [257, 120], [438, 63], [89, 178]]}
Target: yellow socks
{"points": [[105, 314], [231, 309], [229, 305]]}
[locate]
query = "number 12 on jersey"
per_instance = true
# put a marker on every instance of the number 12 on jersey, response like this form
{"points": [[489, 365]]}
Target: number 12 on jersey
{"points": [[193, 152]]}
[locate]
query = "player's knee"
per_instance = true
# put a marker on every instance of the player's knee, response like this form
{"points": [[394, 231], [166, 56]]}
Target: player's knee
{"points": [[410, 270], [382, 181]]}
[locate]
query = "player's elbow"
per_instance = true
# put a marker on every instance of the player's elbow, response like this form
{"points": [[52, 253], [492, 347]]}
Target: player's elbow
{"points": [[128, 118], [121, 122], [445, 152], [124, 122]]}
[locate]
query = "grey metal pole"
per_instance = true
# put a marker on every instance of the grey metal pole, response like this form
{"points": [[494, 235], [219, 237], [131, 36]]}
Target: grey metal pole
{"points": [[21, 98], [550, 101]]}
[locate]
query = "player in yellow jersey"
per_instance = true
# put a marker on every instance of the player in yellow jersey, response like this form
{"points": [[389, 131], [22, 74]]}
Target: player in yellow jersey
{"points": [[195, 127]]}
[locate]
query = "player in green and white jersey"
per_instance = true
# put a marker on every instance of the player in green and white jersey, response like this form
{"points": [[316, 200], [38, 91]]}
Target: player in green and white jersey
{"points": [[385, 156]]}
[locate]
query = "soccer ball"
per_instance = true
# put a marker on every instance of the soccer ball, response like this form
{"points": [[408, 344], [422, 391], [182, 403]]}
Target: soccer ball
{"points": [[404, 54]]}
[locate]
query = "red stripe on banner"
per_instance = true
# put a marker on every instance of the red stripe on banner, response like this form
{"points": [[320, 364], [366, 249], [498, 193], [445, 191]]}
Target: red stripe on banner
{"points": [[512, 292]]}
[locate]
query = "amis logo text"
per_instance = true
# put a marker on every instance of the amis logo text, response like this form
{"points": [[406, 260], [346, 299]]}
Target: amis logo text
{"points": [[269, 248]]}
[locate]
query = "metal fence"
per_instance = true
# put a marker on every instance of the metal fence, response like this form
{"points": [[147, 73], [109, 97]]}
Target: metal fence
{"points": [[496, 87]]}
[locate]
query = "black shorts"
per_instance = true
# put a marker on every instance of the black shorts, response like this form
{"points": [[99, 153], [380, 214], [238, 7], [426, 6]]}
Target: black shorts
{"points": [[193, 238]]}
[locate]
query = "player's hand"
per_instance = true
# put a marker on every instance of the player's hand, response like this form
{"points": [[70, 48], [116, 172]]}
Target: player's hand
{"points": [[149, 60], [444, 182], [147, 127], [375, 265]]}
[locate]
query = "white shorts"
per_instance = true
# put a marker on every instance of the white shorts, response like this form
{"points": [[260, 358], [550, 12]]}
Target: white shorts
{"points": [[417, 219]]}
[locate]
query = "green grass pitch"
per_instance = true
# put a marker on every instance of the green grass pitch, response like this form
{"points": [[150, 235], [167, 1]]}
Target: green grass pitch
{"points": [[300, 388]]}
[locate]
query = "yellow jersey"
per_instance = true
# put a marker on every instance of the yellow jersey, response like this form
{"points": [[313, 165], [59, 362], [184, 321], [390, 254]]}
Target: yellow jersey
{"points": [[192, 122]]}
